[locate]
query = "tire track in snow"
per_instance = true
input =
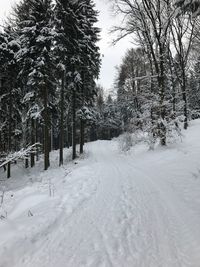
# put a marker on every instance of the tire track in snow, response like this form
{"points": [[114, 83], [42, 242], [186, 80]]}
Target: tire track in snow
{"points": [[86, 218], [179, 240]]}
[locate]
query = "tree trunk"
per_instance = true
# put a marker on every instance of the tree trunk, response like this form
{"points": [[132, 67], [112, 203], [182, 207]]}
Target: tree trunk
{"points": [[82, 128], [69, 135], [36, 139], [82, 135], [74, 125], [162, 128], [161, 85], [185, 109], [26, 163], [46, 130], [62, 119], [32, 141], [9, 129]]}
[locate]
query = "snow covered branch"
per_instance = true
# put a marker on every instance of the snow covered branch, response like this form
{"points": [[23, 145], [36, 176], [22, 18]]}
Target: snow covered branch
{"points": [[22, 154]]}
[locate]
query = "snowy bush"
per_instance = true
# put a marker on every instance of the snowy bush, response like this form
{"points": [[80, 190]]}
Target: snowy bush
{"points": [[125, 142], [128, 140], [174, 133]]}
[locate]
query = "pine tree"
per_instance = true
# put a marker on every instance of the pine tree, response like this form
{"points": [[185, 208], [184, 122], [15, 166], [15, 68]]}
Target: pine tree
{"points": [[78, 54], [9, 95], [34, 25], [90, 60], [66, 50]]}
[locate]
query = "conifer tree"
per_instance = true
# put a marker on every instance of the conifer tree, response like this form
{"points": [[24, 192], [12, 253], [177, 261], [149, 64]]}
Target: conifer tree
{"points": [[34, 25], [9, 95]]}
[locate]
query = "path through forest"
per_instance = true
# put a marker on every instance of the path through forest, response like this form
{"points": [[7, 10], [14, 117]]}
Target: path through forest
{"points": [[112, 210]]}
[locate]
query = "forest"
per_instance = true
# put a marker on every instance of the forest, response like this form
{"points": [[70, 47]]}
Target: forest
{"points": [[50, 62], [99, 176]]}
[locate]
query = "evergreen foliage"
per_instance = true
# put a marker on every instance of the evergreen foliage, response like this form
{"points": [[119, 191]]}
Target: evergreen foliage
{"points": [[49, 62]]}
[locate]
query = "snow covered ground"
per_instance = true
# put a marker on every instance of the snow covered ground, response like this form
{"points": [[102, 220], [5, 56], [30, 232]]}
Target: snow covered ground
{"points": [[140, 209]]}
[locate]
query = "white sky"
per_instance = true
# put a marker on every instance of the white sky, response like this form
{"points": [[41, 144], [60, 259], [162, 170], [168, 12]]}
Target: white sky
{"points": [[112, 54]]}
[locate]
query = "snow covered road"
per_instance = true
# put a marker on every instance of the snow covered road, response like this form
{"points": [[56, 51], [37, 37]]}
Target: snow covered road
{"points": [[111, 210]]}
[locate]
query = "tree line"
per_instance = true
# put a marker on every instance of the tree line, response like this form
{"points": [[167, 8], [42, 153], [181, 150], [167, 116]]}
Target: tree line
{"points": [[49, 60], [158, 81]]}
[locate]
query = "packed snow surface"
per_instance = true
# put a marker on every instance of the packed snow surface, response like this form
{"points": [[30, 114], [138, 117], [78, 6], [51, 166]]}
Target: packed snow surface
{"points": [[139, 209]]}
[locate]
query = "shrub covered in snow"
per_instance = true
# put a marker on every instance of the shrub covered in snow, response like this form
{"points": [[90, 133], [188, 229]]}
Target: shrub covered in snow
{"points": [[128, 140], [125, 142]]}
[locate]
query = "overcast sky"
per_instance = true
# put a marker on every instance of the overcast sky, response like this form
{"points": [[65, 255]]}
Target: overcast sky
{"points": [[112, 54]]}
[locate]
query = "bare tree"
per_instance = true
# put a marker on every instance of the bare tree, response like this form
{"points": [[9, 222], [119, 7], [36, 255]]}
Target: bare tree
{"points": [[192, 6], [182, 31], [149, 22]]}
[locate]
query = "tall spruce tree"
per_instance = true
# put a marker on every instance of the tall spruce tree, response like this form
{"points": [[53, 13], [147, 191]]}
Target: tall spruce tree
{"points": [[78, 55], [9, 94], [90, 61], [34, 26]]}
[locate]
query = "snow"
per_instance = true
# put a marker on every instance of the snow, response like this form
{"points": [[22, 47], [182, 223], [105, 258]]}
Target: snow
{"points": [[135, 209], [22, 154]]}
